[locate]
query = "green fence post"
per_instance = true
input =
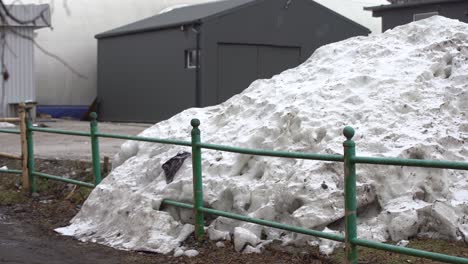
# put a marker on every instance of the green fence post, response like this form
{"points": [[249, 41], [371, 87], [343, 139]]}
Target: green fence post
{"points": [[30, 146], [95, 149], [197, 180], [350, 195]]}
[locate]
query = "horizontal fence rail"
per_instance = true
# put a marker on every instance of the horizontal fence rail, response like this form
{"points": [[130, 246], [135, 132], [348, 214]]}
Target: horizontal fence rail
{"points": [[11, 171], [349, 159], [62, 179], [10, 131], [10, 119], [61, 132], [10, 156], [259, 221], [271, 153], [413, 163], [146, 139], [21, 119]]}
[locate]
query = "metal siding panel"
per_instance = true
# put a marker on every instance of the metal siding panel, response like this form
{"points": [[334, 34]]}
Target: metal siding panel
{"points": [[237, 67], [179, 16], [19, 60], [142, 77], [395, 17], [274, 60], [28, 12], [303, 24]]}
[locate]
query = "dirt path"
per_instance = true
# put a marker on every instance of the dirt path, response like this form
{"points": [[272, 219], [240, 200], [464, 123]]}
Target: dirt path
{"points": [[25, 244]]}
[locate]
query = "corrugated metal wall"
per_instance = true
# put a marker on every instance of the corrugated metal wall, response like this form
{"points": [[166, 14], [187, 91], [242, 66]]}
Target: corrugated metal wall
{"points": [[17, 81], [19, 63], [27, 13]]}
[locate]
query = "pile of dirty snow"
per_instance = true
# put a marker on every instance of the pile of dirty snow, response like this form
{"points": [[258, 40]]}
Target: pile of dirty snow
{"points": [[6, 125], [404, 91]]}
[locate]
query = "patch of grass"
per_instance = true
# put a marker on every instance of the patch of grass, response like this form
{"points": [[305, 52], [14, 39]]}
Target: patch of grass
{"points": [[79, 195], [11, 197], [367, 255], [44, 185], [10, 193]]}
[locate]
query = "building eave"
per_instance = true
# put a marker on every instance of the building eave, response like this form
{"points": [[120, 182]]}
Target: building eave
{"points": [[380, 8], [145, 30]]}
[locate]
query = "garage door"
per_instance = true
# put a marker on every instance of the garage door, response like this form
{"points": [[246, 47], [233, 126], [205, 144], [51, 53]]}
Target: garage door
{"points": [[239, 65]]}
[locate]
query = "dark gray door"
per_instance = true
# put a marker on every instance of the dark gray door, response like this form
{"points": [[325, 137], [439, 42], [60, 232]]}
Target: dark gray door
{"points": [[273, 60], [237, 69], [239, 65]]}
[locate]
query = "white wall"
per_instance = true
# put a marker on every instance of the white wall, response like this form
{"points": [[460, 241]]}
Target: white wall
{"points": [[76, 22]]}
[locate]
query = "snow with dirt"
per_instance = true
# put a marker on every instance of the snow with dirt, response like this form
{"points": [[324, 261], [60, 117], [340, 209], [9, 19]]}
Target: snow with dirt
{"points": [[6, 125], [404, 91]]}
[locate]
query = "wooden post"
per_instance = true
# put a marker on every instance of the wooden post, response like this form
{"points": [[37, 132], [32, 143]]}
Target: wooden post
{"points": [[24, 147], [106, 166]]}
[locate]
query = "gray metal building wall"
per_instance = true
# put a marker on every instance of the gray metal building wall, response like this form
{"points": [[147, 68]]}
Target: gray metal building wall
{"points": [[20, 64], [396, 17], [142, 77], [303, 24], [27, 12], [19, 61], [20, 86]]}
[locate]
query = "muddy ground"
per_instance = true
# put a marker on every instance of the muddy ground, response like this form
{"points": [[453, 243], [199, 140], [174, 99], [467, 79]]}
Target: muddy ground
{"points": [[27, 224], [27, 236]]}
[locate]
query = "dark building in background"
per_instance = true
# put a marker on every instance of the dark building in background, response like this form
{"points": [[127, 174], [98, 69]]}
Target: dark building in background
{"points": [[401, 12], [202, 55]]}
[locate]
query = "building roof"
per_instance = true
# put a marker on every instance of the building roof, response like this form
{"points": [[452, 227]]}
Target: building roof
{"points": [[177, 17], [409, 4], [193, 14], [40, 14]]}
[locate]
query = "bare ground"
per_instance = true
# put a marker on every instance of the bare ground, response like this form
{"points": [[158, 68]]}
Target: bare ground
{"points": [[27, 224], [27, 236]]}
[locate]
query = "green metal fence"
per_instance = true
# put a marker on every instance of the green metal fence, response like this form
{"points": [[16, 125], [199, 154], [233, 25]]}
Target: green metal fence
{"points": [[15, 132], [349, 159]]}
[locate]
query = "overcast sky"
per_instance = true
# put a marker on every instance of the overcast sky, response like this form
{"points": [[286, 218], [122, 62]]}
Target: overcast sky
{"points": [[353, 9], [350, 8]]}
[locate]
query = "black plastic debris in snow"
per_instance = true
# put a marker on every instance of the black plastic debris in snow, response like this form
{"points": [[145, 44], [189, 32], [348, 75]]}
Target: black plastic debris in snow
{"points": [[172, 166]]}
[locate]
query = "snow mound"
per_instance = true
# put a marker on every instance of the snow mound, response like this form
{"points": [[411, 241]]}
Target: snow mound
{"points": [[6, 125], [404, 91], [171, 8]]}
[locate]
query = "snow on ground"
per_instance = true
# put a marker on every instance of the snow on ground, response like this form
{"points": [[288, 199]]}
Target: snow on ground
{"points": [[406, 94], [6, 125]]}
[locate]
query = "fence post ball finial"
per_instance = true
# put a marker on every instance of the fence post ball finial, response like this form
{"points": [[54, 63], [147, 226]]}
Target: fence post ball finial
{"points": [[93, 116], [348, 132], [195, 123]]}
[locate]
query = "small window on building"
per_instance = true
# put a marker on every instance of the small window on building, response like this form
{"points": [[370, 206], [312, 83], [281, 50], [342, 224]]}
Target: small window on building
{"points": [[420, 16], [191, 59]]}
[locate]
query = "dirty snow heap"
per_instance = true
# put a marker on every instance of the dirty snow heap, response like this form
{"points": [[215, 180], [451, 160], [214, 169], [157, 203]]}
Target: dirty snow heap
{"points": [[404, 91]]}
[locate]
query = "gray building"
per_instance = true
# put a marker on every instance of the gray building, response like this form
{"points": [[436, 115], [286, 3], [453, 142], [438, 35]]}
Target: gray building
{"points": [[202, 55], [17, 79], [401, 12]]}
